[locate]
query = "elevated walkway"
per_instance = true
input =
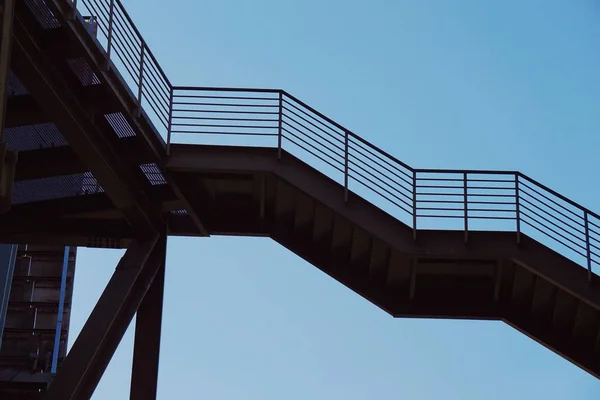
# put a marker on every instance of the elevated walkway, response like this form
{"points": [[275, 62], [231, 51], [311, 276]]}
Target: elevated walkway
{"points": [[95, 118]]}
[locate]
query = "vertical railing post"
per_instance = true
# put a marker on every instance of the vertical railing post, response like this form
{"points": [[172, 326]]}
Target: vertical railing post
{"points": [[466, 200], [74, 9], [414, 204], [111, 12], [141, 78], [346, 156], [170, 122], [518, 208], [588, 250], [279, 133]]}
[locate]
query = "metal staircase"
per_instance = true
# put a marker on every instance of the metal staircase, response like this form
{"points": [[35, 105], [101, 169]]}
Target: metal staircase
{"points": [[193, 161]]}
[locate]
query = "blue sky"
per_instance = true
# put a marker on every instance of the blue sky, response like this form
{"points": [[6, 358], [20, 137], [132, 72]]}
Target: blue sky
{"points": [[439, 84]]}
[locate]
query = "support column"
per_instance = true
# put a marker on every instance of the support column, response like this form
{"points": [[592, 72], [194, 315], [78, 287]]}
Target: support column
{"points": [[5, 51], [83, 367], [148, 323]]}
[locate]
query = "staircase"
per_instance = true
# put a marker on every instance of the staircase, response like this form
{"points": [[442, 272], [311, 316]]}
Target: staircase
{"points": [[416, 242]]}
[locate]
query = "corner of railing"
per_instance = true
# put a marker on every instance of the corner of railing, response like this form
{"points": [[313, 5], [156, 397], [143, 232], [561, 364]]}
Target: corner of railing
{"points": [[414, 204], [588, 249], [280, 125], [518, 207], [169, 125]]}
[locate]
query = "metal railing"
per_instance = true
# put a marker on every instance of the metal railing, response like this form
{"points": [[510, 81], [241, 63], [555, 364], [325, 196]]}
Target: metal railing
{"points": [[423, 198], [127, 50]]}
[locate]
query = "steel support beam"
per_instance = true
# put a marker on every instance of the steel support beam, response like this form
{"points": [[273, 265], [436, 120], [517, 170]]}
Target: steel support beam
{"points": [[148, 323], [83, 367], [94, 149]]}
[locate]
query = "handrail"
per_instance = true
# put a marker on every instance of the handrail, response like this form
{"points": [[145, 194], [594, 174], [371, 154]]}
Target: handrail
{"points": [[275, 118]]}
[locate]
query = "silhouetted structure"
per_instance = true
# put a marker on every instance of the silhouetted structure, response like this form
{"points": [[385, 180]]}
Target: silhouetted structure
{"points": [[416, 242]]}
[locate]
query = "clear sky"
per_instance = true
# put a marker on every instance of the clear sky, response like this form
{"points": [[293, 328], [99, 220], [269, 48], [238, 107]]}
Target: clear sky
{"points": [[464, 84]]}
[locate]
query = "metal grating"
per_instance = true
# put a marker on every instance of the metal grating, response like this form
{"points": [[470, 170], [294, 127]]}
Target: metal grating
{"points": [[83, 71], [34, 137], [43, 14], [56, 187], [15, 87], [153, 174], [120, 125], [179, 213]]}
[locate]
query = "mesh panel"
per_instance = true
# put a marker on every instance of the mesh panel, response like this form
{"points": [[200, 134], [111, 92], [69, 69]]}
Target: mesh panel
{"points": [[34, 137], [43, 14], [15, 87], [56, 187], [153, 174], [120, 125], [83, 71], [179, 213]]}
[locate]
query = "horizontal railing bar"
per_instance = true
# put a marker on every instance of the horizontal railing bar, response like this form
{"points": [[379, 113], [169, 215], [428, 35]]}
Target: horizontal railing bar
{"points": [[463, 171], [439, 216], [163, 101], [469, 194], [137, 32], [224, 89], [333, 159], [338, 151], [594, 224], [560, 196], [399, 168], [379, 186], [225, 133], [579, 223], [399, 205], [377, 152], [334, 137], [461, 180], [229, 119], [182, 103], [226, 112], [442, 201], [228, 126], [409, 198], [440, 209], [163, 89], [313, 154], [491, 210], [491, 217], [322, 126], [550, 228], [490, 188], [337, 146], [492, 181], [376, 162], [439, 187], [526, 186], [164, 113], [552, 237], [523, 205], [512, 203], [223, 97]]}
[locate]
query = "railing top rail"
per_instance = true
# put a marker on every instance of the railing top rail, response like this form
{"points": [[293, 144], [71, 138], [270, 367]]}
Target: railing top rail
{"points": [[226, 89], [148, 50], [560, 196]]}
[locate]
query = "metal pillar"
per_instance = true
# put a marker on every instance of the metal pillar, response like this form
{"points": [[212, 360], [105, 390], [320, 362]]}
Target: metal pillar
{"points": [[8, 254], [148, 323], [5, 51], [86, 362]]}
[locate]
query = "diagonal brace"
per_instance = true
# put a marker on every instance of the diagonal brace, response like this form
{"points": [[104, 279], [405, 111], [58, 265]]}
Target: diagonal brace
{"points": [[83, 367]]}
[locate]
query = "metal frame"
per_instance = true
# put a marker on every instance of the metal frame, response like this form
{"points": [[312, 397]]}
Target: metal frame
{"points": [[83, 367]]}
